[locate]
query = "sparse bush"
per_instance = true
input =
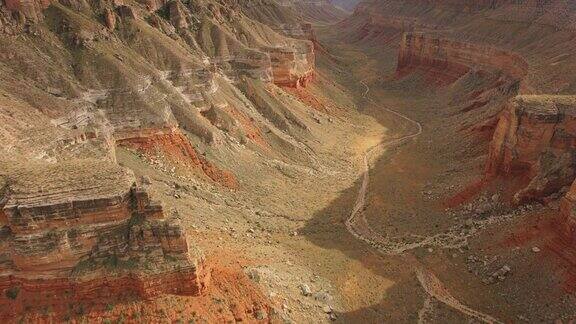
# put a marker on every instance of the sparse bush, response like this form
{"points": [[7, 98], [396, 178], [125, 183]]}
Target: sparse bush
{"points": [[13, 292]]}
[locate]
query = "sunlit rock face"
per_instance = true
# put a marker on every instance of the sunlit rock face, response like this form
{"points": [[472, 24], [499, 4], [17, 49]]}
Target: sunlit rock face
{"points": [[535, 138], [164, 81], [64, 223], [450, 59]]}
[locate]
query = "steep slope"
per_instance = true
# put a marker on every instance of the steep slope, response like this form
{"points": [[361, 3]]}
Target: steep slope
{"points": [[316, 11], [347, 5], [87, 86], [447, 41]]}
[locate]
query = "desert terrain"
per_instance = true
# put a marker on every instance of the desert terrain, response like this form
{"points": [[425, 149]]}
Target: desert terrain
{"points": [[267, 161]]}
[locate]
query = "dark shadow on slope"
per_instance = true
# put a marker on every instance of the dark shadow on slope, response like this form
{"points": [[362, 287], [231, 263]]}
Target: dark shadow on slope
{"points": [[401, 301]]}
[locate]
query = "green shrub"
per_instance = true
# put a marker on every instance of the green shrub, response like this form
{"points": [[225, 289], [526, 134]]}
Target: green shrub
{"points": [[13, 292]]}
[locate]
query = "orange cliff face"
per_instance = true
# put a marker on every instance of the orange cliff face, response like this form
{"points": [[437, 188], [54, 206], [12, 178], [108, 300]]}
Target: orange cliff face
{"points": [[89, 235], [447, 60], [535, 139], [174, 145], [293, 67]]}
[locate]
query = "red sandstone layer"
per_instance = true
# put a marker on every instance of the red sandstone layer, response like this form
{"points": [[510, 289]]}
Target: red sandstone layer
{"points": [[447, 60], [534, 139], [87, 234], [40, 293], [175, 146]]}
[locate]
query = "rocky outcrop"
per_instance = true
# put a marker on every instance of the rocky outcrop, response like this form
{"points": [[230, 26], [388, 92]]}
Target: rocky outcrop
{"points": [[30, 9], [535, 139], [177, 14], [85, 230], [110, 19], [567, 218], [293, 67], [173, 145], [448, 59], [235, 45], [376, 23], [145, 79], [25, 294]]}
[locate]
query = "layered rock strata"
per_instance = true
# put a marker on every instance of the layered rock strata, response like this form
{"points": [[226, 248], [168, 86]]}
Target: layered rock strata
{"points": [[173, 144], [292, 67], [63, 235], [449, 59], [163, 78], [535, 139]]}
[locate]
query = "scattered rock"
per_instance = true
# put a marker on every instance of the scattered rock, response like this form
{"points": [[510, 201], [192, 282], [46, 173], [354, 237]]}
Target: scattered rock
{"points": [[305, 289], [260, 314], [145, 180], [499, 275], [323, 297]]}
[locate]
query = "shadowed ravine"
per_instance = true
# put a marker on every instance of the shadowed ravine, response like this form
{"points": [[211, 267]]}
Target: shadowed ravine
{"points": [[359, 227], [416, 292]]}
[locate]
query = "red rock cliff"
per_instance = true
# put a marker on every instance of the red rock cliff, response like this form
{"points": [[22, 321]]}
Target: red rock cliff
{"points": [[450, 59], [535, 139], [90, 233], [293, 66]]}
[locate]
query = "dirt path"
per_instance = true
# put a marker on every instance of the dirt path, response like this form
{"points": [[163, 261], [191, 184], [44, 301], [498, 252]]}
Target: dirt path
{"points": [[359, 227]]}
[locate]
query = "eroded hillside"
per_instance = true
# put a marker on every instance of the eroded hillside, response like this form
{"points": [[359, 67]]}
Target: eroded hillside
{"points": [[95, 93], [287, 161]]}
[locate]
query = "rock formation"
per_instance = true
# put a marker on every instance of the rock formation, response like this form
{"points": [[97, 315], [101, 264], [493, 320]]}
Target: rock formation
{"points": [[448, 60], [175, 146], [31, 10], [157, 80], [292, 67], [66, 225], [447, 42], [535, 138]]}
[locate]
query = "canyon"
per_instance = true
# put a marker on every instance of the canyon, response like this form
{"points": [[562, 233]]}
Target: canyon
{"points": [[271, 161]]}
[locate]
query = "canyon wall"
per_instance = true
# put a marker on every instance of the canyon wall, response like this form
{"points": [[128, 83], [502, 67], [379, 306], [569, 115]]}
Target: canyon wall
{"points": [[457, 44], [450, 59], [293, 67], [158, 82], [382, 22], [535, 139], [62, 231]]}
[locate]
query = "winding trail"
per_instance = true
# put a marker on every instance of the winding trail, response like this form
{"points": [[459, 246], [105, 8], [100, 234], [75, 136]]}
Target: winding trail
{"points": [[359, 227]]}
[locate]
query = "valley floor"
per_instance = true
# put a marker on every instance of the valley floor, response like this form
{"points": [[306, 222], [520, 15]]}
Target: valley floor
{"points": [[282, 238], [479, 261]]}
